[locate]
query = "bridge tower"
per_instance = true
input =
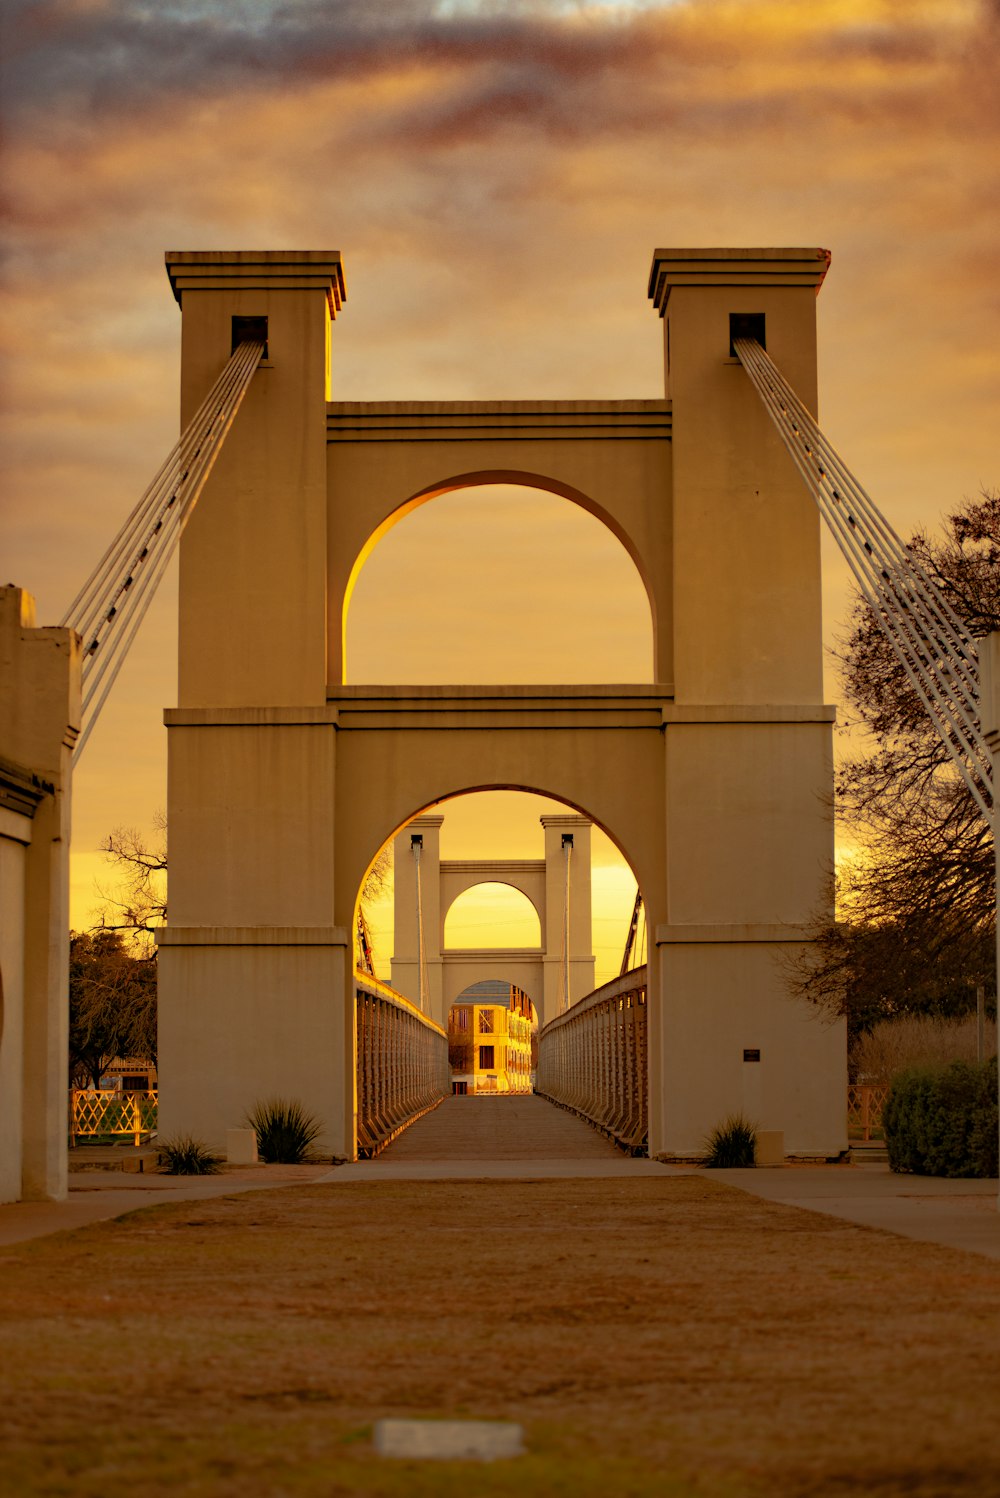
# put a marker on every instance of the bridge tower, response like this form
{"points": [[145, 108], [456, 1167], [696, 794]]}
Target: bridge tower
{"points": [[558, 887], [714, 779]]}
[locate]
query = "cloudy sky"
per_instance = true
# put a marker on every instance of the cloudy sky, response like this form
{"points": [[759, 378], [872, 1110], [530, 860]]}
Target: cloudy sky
{"points": [[496, 176]]}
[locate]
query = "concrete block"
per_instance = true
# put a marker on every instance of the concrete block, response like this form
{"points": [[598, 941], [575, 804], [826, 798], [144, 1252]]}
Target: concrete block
{"points": [[448, 1440], [770, 1147], [241, 1147]]}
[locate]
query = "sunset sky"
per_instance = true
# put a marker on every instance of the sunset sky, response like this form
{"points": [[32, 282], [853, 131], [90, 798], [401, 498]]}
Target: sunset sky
{"points": [[496, 177]]}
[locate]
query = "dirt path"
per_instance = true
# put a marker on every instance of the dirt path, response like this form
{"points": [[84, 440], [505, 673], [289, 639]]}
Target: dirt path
{"points": [[666, 1336]]}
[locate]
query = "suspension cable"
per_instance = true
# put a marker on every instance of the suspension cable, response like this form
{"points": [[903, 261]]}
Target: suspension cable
{"points": [[416, 847], [630, 940], [567, 848], [932, 644], [112, 603]]}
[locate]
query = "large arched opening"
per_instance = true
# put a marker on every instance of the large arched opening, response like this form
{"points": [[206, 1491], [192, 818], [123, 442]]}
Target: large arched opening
{"points": [[584, 889], [484, 824], [482, 581]]}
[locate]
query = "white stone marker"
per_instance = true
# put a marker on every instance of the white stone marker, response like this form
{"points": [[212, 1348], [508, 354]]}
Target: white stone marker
{"points": [[448, 1440], [241, 1147]]}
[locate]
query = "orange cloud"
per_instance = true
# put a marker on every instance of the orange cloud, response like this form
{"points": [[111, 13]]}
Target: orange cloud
{"points": [[496, 177]]}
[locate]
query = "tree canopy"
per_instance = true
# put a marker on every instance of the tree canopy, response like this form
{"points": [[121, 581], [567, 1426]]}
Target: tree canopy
{"points": [[112, 1004]]}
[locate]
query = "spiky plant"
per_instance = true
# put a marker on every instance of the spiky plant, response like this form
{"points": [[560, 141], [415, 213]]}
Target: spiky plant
{"points": [[184, 1156], [732, 1145], [285, 1131]]}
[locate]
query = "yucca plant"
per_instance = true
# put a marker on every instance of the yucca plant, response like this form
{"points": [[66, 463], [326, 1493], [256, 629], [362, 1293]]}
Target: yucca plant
{"points": [[285, 1131], [732, 1145], [184, 1156]]}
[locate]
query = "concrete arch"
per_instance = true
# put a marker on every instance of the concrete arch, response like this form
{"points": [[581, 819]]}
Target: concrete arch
{"points": [[439, 803], [524, 972], [478, 479], [466, 880], [469, 993]]}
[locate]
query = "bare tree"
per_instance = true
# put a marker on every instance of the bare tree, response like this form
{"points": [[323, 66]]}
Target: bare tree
{"points": [[375, 886], [917, 934], [138, 901]]}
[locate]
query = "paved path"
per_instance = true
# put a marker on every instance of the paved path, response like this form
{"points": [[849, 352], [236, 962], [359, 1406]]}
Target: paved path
{"points": [[96, 1196], [520, 1138], [959, 1214], [507, 1137]]}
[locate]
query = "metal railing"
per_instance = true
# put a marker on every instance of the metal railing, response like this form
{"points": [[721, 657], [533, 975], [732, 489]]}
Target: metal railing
{"points": [[592, 1060], [864, 1110], [110, 1115], [402, 1064]]}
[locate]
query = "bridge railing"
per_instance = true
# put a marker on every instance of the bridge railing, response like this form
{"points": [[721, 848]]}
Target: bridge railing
{"points": [[402, 1064], [592, 1060]]}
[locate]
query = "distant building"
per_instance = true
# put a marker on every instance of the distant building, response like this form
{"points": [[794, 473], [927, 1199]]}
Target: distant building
{"points": [[491, 1034], [130, 1074]]}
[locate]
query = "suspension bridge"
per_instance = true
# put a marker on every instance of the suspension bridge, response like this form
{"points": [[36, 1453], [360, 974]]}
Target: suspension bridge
{"points": [[710, 779]]}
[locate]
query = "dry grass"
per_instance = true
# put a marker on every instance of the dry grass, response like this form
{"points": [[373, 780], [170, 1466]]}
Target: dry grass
{"points": [[892, 1046], [671, 1337]]}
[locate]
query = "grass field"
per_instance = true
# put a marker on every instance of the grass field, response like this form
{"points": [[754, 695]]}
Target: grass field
{"points": [[670, 1337]]}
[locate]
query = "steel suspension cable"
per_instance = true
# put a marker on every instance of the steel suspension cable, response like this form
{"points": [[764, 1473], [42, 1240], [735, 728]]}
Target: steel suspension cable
{"points": [[934, 647], [568, 853], [416, 846], [112, 603]]}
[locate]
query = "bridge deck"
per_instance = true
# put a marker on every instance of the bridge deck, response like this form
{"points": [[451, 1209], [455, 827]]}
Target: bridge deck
{"points": [[498, 1129]]}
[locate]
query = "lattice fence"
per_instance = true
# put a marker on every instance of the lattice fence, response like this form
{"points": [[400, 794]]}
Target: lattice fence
{"points": [[98, 1116], [864, 1110]]}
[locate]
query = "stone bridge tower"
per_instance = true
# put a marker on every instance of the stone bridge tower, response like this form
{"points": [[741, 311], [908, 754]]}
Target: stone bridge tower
{"points": [[713, 779], [558, 887]]}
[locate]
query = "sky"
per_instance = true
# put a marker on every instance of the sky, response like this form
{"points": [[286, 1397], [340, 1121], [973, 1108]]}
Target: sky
{"points": [[496, 176]]}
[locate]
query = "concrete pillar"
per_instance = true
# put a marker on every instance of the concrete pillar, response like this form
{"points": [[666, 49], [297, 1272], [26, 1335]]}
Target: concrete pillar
{"points": [[567, 850], [262, 514], [39, 721], [254, 982], [749, 770], [747, 600]]}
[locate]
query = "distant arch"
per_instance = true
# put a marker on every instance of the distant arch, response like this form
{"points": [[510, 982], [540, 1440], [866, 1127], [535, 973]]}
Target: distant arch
{"points": [[517, 905]]}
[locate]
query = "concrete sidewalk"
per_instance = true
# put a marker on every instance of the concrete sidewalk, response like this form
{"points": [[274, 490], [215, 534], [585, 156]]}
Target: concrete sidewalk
{"points": [[97, 1196], [931, 1209], [527, 1138], [956, 1214]]}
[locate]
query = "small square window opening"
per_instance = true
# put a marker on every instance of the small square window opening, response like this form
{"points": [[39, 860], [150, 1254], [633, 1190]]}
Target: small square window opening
{"points": [[746, 325]]}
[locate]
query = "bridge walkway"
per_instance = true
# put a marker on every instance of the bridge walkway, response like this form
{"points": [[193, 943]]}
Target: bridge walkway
{"points": [[520, 1137], [522, 1127]]}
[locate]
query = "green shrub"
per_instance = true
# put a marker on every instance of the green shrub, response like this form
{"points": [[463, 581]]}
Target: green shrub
{"points": [[184, 1156], [285, 1131], [732, 1145], [943, 1123]]}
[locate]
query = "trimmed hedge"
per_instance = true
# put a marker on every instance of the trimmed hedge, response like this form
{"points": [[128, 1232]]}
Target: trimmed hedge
{"points": [[943, 1123]]}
